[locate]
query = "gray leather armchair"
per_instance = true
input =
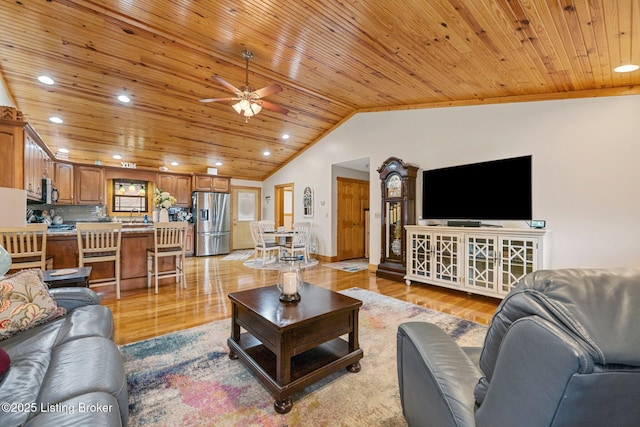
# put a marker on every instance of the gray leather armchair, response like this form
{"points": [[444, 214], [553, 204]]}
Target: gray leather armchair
{"points": [[563, 349]]}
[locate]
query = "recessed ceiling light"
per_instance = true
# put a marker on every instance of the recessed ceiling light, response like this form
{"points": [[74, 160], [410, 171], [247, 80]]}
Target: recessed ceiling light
{"points": [[285, 136], [117, 156], [626, 68], [64, 150], [267, 153], [46, 80], [124, 98], [174, 163], [218, 163], [55, 119]]}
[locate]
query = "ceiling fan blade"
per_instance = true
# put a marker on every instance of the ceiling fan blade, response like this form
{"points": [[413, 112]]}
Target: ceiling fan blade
{"points": [[268, 90], [218, 99], [273, 107], [226, 84]]}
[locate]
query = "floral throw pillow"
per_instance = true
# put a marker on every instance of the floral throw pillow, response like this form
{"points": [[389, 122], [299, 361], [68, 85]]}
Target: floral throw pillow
{"points": [[25, 302]]}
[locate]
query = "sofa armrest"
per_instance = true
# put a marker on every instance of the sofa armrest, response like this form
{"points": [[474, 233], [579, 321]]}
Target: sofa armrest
{"points": [[533, 375], [435, 376], [71, 298]]}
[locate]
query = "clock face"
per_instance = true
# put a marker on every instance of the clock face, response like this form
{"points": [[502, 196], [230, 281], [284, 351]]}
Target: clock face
{"points": [[394, 186]]}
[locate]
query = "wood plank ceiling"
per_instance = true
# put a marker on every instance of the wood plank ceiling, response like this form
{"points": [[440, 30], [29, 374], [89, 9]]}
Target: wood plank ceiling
{"points": [[332, 58]]}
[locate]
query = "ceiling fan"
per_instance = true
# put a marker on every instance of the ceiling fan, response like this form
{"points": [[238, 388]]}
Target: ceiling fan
{"points": [[250, 101]]}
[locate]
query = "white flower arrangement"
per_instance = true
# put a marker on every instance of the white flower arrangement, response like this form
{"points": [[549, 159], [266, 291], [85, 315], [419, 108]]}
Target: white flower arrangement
{"points": [[162, 199]]}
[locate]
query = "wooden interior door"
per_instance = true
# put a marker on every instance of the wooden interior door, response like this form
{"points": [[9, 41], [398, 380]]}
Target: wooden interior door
{"points": [[245, 207], [353, 206]]}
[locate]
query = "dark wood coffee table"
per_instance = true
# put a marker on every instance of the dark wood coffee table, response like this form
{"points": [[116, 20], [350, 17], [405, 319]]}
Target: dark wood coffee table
{"points": [[291, 346], [67, 277]]}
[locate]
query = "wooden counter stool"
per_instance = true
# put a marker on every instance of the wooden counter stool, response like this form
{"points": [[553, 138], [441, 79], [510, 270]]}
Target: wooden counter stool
{"points": [[169, 240], [100, 242], [27, 246]]}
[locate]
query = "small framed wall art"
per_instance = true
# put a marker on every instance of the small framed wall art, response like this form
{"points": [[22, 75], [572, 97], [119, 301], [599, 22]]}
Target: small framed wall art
{"points": [[307, 202]]}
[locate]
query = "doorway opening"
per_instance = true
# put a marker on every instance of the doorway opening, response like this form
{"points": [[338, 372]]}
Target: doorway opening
{"points": [[351, 180], [283, 216]]}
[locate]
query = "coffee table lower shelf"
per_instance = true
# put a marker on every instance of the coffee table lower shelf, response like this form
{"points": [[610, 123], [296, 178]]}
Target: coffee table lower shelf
{"points": [[306, 368]]}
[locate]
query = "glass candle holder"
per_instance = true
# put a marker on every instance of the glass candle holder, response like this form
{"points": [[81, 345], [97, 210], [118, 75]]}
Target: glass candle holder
{"points": [[289, 279]]}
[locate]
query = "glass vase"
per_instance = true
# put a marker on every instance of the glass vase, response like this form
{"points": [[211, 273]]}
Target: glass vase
{"points": [[289, 279]]}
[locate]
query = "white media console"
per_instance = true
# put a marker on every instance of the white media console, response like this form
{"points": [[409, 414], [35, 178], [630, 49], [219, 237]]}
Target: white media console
{"points": [[482, 260]]}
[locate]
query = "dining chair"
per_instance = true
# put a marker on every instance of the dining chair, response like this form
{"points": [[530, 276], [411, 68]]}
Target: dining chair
{"points": [[169, 240], [27, 246], [100, 242], [299, 242], [261, 246], [268, 226]]}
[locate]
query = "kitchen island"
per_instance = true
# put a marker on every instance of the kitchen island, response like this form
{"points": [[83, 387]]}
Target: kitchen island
{"points": [[63, 245]]}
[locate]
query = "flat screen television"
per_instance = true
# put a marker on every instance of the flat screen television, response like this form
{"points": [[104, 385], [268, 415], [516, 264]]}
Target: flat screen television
{"points": [[495, 190]]}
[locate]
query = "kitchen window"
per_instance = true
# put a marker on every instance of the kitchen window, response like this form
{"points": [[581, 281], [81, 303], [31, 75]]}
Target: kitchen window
{"points": [[130, 195]]}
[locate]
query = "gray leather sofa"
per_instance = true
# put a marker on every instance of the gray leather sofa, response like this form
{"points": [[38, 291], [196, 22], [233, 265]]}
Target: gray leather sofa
{"points": [[563, 349], [67, 372]]}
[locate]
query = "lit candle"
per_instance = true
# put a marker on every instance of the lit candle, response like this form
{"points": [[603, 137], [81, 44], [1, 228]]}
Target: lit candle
{"points": [[289, 283]]}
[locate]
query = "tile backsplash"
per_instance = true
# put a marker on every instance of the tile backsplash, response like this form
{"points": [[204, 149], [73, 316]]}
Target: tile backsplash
{"points": [[73, 214]]}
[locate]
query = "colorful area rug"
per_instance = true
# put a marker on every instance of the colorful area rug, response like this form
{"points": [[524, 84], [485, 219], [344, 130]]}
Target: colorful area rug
{"points": [[238, 255], [351, 266], [187, 379]]}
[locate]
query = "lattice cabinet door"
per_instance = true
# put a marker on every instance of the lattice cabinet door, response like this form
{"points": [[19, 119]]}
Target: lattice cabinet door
{"points": [[419, 256], [481, 265], [519, 257], [447, 258]]}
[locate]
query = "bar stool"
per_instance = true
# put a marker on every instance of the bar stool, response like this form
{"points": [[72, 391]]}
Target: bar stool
{"points": [[169, 240], [100, 242], [27, 246]]}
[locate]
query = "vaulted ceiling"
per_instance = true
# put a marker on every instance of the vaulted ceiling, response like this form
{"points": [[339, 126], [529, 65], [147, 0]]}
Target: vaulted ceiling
{"points": [[332, 58]]}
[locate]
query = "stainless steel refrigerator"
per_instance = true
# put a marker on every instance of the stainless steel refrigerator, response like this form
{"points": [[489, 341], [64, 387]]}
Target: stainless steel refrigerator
{"points": [[212, 224]]}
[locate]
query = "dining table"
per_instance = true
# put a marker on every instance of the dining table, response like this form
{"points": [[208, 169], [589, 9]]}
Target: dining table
{"points": [[284, 237]]}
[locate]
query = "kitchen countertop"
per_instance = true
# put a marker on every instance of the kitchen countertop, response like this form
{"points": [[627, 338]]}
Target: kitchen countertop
{"points": [[126, 228]]}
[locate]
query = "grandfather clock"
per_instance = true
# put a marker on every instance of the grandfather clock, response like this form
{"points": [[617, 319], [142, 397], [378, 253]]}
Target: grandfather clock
{"points": [[398, 185]]}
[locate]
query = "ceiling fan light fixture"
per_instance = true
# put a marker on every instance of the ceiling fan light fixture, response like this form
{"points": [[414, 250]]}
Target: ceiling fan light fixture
{"points": [[249, 102], [244, 104], [256, 108]]}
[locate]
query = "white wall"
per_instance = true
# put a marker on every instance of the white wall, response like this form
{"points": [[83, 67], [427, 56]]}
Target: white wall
{"points": [[586, 177], [5, 97]]}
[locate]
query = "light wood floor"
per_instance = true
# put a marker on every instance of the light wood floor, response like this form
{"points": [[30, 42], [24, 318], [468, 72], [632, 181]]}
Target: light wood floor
{"points": [[141, 314]]}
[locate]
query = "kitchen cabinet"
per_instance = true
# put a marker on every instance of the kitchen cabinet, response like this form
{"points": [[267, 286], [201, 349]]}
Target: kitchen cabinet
{"points": [[188, 247], [37, 164], [485, 261], [63, 182], [24, 160], [89, 185], [179, 186], [12, 160], [215, 183]]}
